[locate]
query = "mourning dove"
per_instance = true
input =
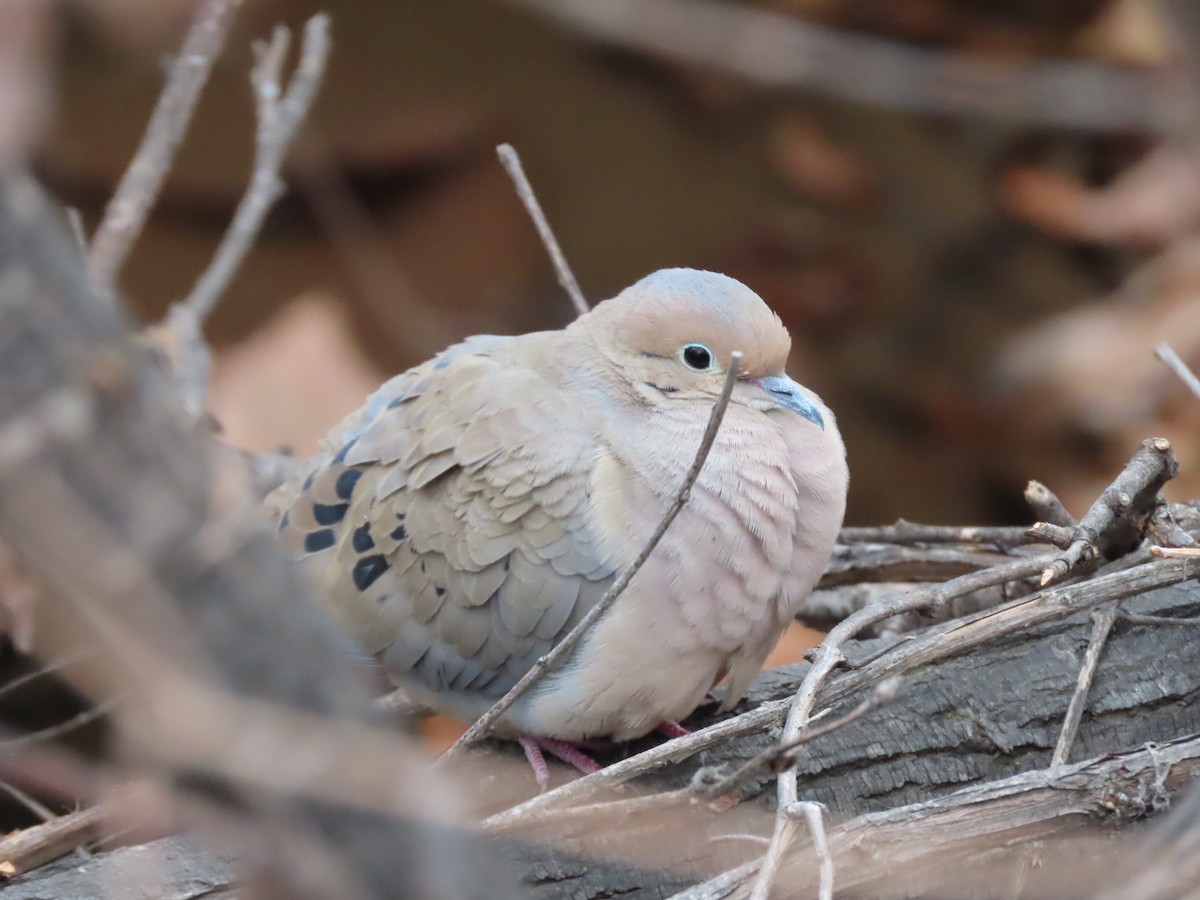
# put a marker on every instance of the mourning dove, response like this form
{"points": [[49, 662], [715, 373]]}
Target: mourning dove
{"points": [[479, 504]]}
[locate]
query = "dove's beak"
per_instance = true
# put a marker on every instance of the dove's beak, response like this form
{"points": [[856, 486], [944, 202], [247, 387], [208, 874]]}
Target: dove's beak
{"points": [[787, 394]]}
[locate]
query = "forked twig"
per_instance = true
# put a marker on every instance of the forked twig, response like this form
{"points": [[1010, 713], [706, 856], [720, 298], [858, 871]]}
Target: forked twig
{"points": [[127, 211], [483, 725], [280, 110], [512, 164], [1102, 623]]}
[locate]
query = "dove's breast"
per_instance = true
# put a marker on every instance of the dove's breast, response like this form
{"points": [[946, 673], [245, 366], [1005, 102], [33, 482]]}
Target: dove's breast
{"points": [[715, 595]]}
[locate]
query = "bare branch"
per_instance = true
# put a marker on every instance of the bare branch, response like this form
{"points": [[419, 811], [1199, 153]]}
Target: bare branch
{"points": [[512, 164], [126, 213], [1102, 623], [483, 725]]}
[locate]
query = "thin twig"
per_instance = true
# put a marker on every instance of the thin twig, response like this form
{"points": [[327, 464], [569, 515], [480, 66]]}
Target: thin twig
{"points": [[126, 213], [1165, 353], [813, 814], [483, 725], [99, 711], [50, 668], [1102, 622], [512, 164]]}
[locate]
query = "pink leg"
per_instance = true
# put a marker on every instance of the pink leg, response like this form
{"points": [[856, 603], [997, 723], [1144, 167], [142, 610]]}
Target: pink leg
{"points": [[570, 754], [564, 750], [537, 762], [671, 729]]}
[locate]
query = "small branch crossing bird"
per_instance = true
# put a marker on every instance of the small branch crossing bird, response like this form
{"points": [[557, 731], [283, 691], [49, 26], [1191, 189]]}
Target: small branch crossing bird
{"points": [[480, 503]]}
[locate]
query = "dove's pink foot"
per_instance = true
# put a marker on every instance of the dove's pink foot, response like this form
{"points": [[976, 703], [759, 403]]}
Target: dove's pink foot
{"points": [[671, 729], [564, 750]]}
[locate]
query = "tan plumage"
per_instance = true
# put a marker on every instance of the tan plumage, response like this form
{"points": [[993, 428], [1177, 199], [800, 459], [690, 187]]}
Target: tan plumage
{"points": [[481, 502]]}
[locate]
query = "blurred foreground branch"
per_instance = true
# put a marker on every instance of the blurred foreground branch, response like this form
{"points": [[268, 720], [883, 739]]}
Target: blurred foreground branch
{"points": [[153, 554]]}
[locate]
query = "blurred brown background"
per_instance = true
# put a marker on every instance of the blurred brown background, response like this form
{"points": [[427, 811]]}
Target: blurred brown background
{"points": [[977, 296]]}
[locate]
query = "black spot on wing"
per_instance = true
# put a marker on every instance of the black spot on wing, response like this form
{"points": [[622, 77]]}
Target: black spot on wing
{"points": [[316, 541], [399, 533], [325, 514], [440, 591], [308, 482], [367, 570], [362, 540], [346, 482], [283, 523]]}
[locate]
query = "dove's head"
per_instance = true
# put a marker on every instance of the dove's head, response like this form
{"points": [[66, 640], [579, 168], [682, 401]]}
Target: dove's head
{"points": [[672, 335]]}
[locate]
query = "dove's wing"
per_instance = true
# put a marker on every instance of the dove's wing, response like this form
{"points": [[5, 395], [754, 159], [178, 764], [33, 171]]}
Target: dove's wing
{"points": [[450, 520]]}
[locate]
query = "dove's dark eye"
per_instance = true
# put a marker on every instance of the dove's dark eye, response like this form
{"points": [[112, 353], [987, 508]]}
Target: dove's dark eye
{"points": [[696, 356]]}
